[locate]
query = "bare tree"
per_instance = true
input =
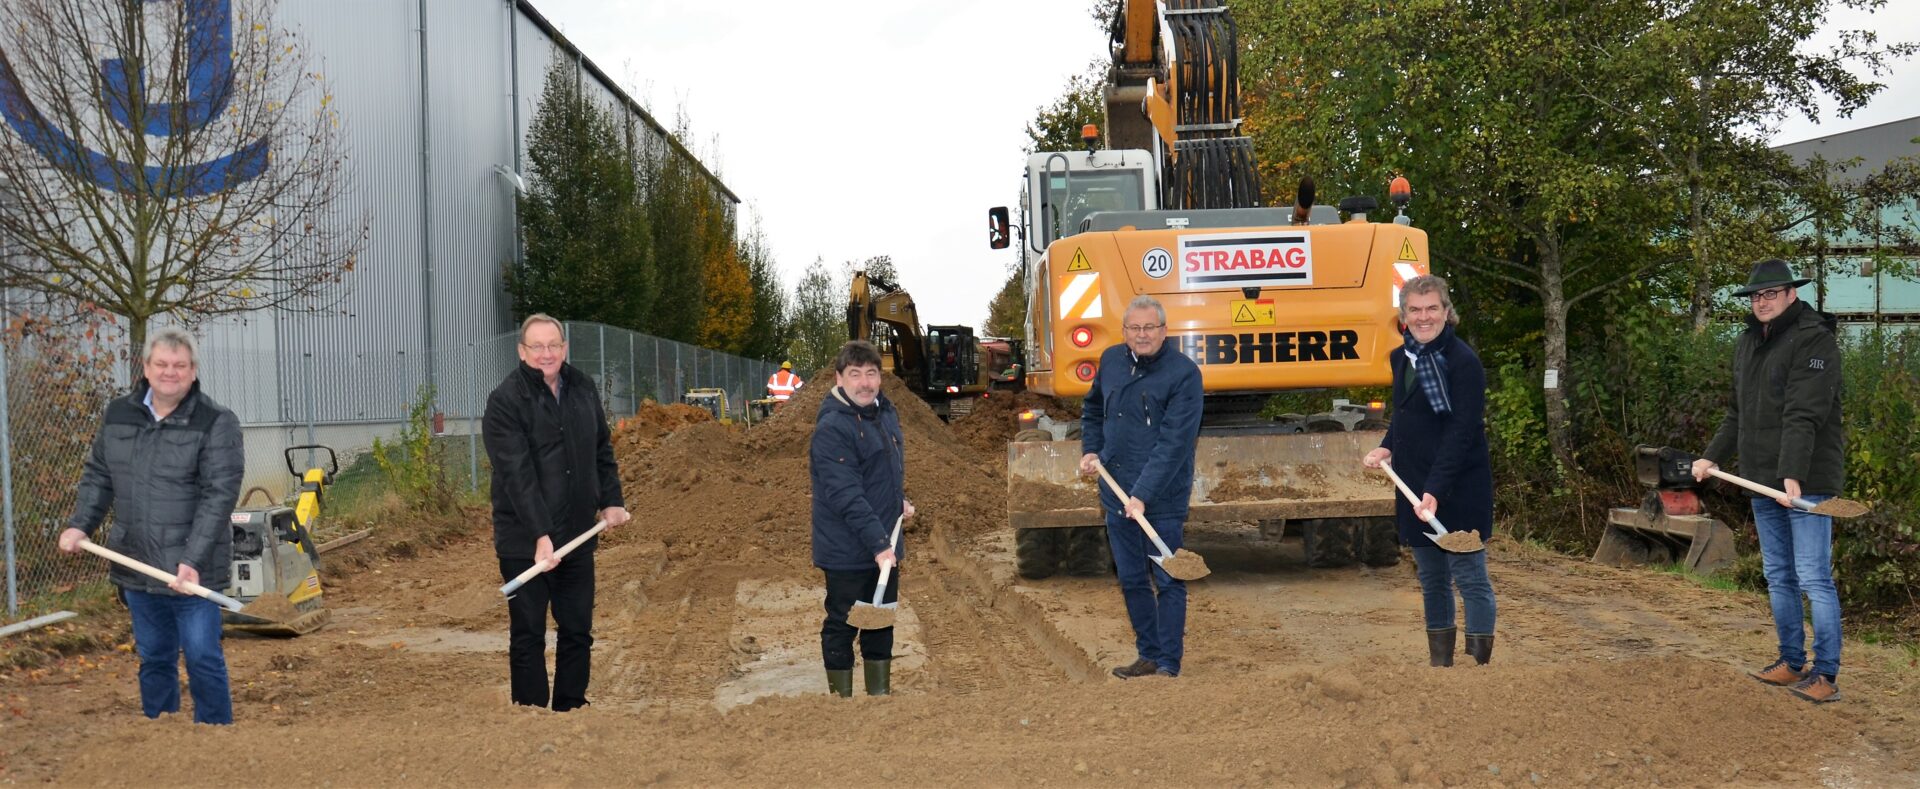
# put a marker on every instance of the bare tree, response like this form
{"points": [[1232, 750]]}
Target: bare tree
{"points": [[179, 158]]}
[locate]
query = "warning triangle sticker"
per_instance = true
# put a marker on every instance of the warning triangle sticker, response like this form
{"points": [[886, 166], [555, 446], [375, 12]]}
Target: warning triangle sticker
{"points": [[1244, 315], [1079, 261], [1406, 250]]}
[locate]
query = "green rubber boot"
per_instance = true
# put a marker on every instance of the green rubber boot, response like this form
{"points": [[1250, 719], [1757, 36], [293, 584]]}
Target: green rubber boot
{"points": [[879, 677], [840, 682]]}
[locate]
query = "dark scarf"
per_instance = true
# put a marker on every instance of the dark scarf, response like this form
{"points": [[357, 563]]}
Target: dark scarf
{"points": [[1430, 367]]}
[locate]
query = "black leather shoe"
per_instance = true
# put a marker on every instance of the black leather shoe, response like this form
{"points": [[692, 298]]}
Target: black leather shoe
{"points": [[1138, 668]]}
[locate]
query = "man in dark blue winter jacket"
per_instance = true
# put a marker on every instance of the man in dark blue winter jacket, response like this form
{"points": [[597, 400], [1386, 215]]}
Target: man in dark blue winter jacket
{"points": [[858, 464], [1141, 420]]}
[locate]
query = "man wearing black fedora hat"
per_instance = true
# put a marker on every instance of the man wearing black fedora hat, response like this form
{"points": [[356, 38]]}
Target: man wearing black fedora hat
{"points": [[1784, 423]]}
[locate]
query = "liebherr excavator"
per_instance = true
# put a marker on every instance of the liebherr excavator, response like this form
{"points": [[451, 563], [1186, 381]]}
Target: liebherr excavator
{"points": [[1265, 299]]}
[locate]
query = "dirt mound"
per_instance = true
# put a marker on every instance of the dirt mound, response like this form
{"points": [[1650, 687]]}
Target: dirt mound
{"points": [[991, 424], [712, 491]]}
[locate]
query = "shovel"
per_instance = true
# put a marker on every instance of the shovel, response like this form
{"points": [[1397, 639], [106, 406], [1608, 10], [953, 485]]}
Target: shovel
{"points": [[877, 615], [1182, 564], [1836, 508], [521, 579], [154, 572], [1439, 533]]}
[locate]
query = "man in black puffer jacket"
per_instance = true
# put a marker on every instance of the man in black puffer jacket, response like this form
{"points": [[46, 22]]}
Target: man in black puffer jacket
{"points": [[553, 476], [857, 460], [167, 461]]}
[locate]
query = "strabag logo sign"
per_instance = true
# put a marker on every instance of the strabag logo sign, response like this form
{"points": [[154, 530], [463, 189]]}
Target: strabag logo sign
{"points": [[1268, 259]]}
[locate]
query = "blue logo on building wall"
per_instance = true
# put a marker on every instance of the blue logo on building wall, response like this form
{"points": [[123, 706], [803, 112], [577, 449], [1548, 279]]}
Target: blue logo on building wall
{"points": [[209, 87]]}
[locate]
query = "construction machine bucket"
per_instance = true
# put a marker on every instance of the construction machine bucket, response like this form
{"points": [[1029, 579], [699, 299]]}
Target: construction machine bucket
{"points": [[1634, 537], [1237, 478]]}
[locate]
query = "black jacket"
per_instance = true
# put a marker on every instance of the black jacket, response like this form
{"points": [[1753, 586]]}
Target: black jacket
{"points": [[1442, 454], [1142, 417], [1784, 419], [858, 464], [171, 484], [553, 465]]}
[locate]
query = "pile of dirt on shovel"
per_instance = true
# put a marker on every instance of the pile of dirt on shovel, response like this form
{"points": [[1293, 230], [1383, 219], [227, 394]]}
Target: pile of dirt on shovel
{"points": [[734, 494]]}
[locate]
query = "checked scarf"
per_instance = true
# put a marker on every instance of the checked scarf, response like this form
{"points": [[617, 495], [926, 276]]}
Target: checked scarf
{"points": [[1429, 365]]}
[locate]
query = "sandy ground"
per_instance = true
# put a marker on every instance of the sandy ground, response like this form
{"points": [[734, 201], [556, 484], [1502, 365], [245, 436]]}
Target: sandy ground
{"points": [[706, 667]]}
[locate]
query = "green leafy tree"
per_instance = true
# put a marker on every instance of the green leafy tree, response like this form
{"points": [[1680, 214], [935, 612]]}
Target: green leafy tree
{"points": [[1056, 126], [771, 328], [671, 183], [1007, 313], [1704, 83], [819, 318], [588, 252]]}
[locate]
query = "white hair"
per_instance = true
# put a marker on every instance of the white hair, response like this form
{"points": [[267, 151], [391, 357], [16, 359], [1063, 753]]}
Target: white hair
{"points": [[541, 317], [1144, 302], [172, 337]]}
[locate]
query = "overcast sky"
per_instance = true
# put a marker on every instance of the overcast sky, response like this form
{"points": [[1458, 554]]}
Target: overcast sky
{"points": [[888, 127]]}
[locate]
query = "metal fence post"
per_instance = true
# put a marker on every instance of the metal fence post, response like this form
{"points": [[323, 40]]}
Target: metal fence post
{"points": [[313, 403], [6, 486], [606, 391], [473, 423]]}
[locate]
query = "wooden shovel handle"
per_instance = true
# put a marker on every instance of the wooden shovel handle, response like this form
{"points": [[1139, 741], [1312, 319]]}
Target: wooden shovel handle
{"points": [[1759, 488], [156, 573], [887, 567], [536, 569], [1412, 499], [1141, 519]]}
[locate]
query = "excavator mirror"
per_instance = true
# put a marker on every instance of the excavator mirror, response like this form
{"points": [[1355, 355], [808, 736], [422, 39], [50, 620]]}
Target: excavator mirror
{"points": [[997, 232]]}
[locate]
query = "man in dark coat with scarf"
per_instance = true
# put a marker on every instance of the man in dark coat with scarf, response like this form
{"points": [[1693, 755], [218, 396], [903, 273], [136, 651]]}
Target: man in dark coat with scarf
{"points": [[1141, 420], [554, 475], [1784, 421], [1437, 443], [857, 462]]}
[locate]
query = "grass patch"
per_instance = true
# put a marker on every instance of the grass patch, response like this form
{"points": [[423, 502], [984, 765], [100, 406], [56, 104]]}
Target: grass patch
{"points": [[1721, 581], [101, 624]]}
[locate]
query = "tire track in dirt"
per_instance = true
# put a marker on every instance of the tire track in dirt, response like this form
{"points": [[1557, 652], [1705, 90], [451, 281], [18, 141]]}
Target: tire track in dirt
{"points": [[675, 650], [971, 645]]}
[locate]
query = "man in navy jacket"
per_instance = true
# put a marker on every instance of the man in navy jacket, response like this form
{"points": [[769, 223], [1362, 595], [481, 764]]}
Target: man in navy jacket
{"points": [[858, 464], [1141, 420]]}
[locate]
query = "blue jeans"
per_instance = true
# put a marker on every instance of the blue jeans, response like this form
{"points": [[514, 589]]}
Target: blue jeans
{"points": [[1156, 601], [1440, 573], [1796, 551], [166, 625]]}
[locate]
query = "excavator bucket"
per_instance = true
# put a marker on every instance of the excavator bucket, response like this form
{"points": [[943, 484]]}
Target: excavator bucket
{"points": [[1237, 478]]}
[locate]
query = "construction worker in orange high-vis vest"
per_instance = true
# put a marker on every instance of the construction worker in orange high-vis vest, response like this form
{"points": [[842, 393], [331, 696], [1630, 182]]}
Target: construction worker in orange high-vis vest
{"points": [[782, 384]]}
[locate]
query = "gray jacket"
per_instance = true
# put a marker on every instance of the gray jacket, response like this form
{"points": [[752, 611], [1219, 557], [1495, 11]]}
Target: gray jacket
{"points": [[171, 484]]}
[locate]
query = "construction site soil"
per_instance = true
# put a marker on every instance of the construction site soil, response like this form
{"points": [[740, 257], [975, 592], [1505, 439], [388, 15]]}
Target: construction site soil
{"points": [[707, 670]]}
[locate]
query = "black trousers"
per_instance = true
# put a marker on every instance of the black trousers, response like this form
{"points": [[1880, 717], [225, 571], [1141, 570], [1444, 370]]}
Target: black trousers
{"points": [[844, 588], [568, 591]]}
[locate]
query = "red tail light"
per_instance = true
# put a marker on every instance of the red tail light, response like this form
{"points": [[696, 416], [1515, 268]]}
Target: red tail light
{"points": [[1082, 337], [1084, 371]]}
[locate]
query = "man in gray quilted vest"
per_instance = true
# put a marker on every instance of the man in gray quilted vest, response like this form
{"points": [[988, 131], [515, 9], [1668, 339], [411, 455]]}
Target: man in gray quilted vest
{"points": [[167, 461]]}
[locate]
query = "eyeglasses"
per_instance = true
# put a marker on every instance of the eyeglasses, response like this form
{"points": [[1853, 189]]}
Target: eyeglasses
{"points": [[550, 347], [1766, 295], [1143, 328]]}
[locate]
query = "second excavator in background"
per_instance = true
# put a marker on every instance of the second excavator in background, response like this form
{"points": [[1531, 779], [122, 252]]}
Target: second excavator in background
{"points": [[947, 366]]}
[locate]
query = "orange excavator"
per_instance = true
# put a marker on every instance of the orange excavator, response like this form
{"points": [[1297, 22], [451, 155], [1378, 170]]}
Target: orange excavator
{"points": [[1265, 299]]}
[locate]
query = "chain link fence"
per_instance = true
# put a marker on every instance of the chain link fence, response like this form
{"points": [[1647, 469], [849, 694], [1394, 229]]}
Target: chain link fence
{"points": [[53, 390]]}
